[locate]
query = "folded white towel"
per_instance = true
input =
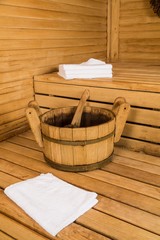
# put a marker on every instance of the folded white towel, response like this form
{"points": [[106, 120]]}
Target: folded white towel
{"points": [[51, 202], [67, 67], [82, 75], [86, 71], [93, 68]]}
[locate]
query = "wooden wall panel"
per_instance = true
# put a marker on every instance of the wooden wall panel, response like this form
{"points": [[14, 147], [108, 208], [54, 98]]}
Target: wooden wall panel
{"points": [[139, 32], [35, 37], [138, 35]]}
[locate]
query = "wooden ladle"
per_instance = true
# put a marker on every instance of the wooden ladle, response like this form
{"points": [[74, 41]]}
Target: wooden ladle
{"points": [[76, 121]]}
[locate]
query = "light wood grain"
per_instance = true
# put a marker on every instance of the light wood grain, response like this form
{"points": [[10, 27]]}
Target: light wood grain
{"points": [[36, 13], [138, 23], [17, 230], [136, 145], [101, 221], [139, 175], [55, 6], [150, 100], [137, 164], [115, 14], [123, 182], [34, 40], [5, 236], [137, 156], [136, 209]]}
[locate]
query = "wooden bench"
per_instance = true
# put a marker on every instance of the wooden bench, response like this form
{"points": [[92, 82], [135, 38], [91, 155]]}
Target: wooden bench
{"points": [[140, 85]]}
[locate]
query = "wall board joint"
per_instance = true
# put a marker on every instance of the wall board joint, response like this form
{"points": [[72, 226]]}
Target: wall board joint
{"points": [[114, 44]]}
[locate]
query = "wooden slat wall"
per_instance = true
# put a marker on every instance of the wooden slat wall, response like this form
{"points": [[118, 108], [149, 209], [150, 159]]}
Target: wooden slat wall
{"points": [[135, 35], [36, 36]]}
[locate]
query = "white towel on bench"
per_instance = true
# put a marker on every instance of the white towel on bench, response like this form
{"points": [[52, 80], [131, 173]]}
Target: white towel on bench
{"points": [[85, 75], [51, 202], [93, 68]]}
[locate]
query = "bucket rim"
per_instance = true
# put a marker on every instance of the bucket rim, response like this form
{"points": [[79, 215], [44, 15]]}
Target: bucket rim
{"points": [[72, 107]]}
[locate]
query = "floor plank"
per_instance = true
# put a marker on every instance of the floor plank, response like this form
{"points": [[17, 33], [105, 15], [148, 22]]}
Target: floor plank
{"points": [[139, 175], [129, 214], [25, 142], [142, 157], [136, 164], [89, 183], [5, 236], [124, 212], [126, 183], [23, 150], [17, 230], [128, 195], [114, 228]]}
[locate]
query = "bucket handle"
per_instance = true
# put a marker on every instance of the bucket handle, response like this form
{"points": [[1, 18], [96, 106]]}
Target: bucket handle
{"points": [[32, 113], [121, 110]]}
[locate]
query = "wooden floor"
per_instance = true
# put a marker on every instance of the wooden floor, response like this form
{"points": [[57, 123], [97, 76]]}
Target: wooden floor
{"points": [[128, 192]]}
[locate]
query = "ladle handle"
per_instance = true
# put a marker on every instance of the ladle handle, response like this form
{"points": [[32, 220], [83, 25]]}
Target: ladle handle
{"points": [[32, 113], [78, 114], [121, 110]]}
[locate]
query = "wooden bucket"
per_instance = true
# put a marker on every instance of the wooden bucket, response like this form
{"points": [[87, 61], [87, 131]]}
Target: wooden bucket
{"points": [[78, 149], [81, 148]]}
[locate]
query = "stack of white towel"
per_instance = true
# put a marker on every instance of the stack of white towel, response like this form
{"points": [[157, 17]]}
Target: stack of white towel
{"points": [[93, 68]]}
